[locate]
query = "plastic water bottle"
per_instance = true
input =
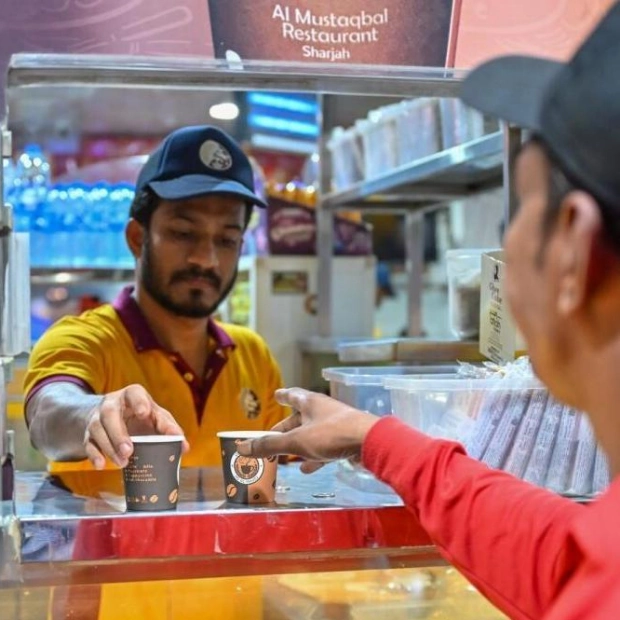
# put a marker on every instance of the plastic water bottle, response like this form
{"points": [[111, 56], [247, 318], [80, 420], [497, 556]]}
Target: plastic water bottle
{"points": [[111, 217], [121, 198], [78, 204], [62, 214], [8, 179], [47, 225], [31, 183], [95, 224], [12, 195]]}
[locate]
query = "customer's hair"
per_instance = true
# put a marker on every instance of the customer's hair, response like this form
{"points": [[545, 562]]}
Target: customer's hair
{"points": [[560, 183], [146, 202]]}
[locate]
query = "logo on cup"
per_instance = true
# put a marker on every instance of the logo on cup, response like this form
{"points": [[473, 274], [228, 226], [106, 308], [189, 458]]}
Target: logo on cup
{"points": [[215, 156], [246, 469]]}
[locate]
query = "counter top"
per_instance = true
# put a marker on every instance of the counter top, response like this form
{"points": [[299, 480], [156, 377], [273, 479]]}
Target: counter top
{"points": [[337, 518]]}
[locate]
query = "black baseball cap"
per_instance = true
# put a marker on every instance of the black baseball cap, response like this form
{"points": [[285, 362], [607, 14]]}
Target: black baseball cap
{"points": [[573, 107], [197, 161]]}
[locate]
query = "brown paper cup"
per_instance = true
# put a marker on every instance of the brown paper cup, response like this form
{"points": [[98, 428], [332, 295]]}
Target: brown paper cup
{"points": [[152, 475], [247, 480]]}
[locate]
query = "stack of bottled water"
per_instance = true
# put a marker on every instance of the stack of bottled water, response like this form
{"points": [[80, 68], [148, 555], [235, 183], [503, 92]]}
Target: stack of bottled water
{"points": [[71, 225]]}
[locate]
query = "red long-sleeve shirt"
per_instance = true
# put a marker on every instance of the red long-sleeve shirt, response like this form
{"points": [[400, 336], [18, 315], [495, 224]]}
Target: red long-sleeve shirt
{"points": [[533, 554]]}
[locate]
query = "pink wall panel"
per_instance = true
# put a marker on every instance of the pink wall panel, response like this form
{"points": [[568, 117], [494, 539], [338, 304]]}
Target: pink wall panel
{"points": [[551, 28], [169, 27]]}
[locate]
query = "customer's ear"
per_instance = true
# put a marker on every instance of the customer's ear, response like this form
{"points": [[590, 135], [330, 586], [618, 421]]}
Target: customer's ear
{"points": [[578, 233]]}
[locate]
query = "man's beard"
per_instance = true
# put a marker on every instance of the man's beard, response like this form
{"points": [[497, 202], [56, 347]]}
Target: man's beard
{"points": [[195, 308]]}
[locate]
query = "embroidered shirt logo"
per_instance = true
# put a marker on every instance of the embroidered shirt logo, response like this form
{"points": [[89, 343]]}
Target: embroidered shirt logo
{"points": [[250, 403], [215, 156]]}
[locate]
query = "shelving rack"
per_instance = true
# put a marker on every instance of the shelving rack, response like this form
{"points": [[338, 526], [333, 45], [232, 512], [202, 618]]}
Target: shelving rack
{"points": [[425, 184]]}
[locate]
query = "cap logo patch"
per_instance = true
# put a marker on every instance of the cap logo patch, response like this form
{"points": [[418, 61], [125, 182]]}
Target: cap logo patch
{"points": [[215, 156]]}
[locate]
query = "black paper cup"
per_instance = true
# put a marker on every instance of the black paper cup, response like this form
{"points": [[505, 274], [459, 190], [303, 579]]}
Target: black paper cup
{"points": [[247, 480], [152, 474]]}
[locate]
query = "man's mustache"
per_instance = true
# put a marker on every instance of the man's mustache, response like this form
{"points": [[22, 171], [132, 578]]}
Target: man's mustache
{"points": [[198, 274]]}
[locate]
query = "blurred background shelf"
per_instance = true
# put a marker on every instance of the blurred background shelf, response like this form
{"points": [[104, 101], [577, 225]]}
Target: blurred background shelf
{"points": [[451, 174], [409, 350], [52, 276]]}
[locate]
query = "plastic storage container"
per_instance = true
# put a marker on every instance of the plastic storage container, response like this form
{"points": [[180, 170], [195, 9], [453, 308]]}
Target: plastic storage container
{"points": [[510, 424], [418, 129], [362, 387], [378, 134], [459, 123], [464, 268], [347, 159]]}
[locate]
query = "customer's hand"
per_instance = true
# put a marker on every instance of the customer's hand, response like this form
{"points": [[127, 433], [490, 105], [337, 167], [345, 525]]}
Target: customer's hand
{"points": [[320, 429], [117, 416]]}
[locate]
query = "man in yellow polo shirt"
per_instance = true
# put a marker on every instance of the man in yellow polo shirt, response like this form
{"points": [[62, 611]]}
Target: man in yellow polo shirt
{"points": [[154, 360]]}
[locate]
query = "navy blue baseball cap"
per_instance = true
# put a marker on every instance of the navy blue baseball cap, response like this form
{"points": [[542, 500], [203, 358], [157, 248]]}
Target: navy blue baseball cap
{"points": [[197, 161]]}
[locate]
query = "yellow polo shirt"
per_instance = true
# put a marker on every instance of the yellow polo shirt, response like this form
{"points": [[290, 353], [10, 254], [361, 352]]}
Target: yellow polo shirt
{"points": [[108, 348]]}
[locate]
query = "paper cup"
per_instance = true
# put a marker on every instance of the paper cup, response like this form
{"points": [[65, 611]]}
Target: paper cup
{"points": [[247, 480], [152, 474]]}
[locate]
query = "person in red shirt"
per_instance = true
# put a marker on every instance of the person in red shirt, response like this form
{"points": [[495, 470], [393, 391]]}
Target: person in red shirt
{"points": [[534, 554]]}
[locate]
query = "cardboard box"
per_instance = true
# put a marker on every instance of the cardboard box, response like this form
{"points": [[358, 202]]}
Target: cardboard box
{"points": [[500, 339]]}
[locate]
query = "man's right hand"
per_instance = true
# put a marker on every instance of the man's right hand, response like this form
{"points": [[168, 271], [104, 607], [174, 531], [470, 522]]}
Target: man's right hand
{"points": [[320, 429], [120, 414]]}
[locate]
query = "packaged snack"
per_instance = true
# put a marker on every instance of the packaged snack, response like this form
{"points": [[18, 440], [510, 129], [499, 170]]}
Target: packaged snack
{"points": [[602, 476], [538, 464], [526, 437], [459, 419], [498, 449], [564, 451], [581, 476], [493, 406]]}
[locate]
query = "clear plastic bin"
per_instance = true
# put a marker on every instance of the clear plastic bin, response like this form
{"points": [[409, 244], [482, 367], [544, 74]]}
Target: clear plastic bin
{"points": [[459, 123], [463, 269], [379, 141], [418, 129], [362, 387], [442, 407], [347, 160], [510, 424]]}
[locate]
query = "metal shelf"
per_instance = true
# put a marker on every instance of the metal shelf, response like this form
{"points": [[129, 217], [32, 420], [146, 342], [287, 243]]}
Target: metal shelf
{"points": [[135, 71], [448, 175], [435, 180], [409, 350], [315, 345], [58, 276]]}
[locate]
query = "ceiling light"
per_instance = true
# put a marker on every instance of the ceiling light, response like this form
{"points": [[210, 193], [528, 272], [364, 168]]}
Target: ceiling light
{"points": [[224, 111]]}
